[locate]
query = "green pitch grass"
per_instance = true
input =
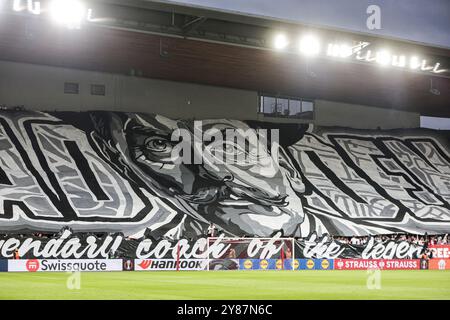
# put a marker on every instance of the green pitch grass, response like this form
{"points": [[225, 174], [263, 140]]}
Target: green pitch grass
{"points": [[228, 285]]}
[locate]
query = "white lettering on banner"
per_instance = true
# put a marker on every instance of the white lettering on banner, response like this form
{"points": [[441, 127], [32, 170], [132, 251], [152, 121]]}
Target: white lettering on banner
{"points": [[326, 249], [268, 250], [215, 250], [399, 264], [323, 249], [50, 265], [440, 251], [9, 246], [60, 247], [68, 246], [65, 247], [390, 250]]}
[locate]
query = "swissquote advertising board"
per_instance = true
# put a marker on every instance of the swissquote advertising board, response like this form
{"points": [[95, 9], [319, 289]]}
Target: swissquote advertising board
{"points": [[64, 265]]}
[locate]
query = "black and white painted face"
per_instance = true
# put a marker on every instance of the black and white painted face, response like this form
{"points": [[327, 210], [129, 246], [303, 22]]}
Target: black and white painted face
{"points": [[118, 172], [261, 186], [254, 193]]}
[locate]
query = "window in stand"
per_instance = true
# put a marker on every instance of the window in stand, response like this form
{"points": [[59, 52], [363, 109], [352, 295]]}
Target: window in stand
{"points": [[286, 107]]}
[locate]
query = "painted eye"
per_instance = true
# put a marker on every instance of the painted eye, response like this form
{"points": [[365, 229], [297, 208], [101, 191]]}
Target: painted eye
{"points": [[232, 149], [228, 148], [157, 144]]}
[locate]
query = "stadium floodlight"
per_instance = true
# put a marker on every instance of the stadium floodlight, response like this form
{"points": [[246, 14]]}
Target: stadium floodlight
{"points": [[345, 51], [383, 57], [89, 15], [436, 68], [34, 7], [414, 63], [17, 5], [399, 61], [69, 13], [339, 50], [309, 45], [280, 42], [30, 6]]}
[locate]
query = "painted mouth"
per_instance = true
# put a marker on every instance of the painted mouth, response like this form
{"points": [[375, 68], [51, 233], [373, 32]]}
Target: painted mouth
{"points": [[235, 201], [233, 196]]}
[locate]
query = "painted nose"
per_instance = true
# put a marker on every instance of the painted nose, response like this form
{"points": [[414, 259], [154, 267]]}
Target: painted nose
{"points": [[256, 194], [297, 183], [227, 177], [216, 175]]}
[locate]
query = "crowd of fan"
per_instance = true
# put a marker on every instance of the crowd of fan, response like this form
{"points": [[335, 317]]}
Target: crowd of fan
{"points": [[416, 239]]}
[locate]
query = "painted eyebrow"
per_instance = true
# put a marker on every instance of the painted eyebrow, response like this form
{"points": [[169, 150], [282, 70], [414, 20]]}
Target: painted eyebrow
{"points": [[222, 132], [148, 131]]}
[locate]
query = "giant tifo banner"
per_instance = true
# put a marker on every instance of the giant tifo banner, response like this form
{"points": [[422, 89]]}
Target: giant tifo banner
{"points": [[122, 173]]}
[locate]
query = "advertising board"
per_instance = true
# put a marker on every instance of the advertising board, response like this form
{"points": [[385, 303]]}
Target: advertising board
{"points": [[64, 265]]}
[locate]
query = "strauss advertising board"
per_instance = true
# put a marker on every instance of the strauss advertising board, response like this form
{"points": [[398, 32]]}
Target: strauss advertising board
{"points": [[381, 264], [439, 264]]}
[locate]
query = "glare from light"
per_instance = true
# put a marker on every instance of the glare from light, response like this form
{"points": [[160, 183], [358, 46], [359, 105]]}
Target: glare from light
{"points": [[399, 61], [309, 45], [333, 50], [437, 70], [69, 13], [414, 63], [34, 7], [383, 57], [369, 57], [280, 42], [424, 66], [17, 5], [336, 50], [89, 15], [345, 51]]}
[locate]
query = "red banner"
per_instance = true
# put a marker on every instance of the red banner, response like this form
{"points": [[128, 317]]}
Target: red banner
{"points": [[439, 264], [382, 264], [440, 251]]}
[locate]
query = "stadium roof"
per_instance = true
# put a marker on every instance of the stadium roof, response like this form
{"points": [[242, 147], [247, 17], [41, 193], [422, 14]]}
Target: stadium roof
{"points": [[166, 41], [399, 19]]}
